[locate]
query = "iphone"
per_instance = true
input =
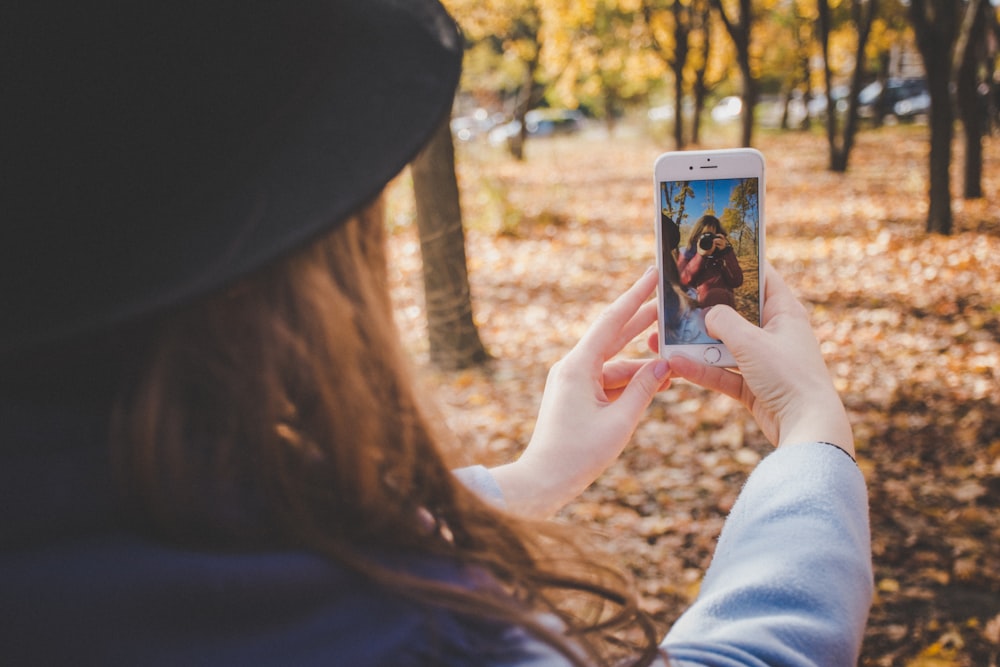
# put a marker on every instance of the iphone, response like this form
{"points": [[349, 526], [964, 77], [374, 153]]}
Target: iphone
{"points": [[709, 245]]}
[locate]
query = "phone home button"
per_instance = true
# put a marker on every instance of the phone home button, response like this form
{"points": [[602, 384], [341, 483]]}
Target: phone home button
{"points": [[712, 355]]}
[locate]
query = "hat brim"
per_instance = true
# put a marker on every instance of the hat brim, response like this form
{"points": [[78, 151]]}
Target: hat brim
{"points": [[158, 151]]}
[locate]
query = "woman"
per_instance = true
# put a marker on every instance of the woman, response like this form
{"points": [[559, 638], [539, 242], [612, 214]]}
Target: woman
{"points": [[708, 264], [213, 449]]}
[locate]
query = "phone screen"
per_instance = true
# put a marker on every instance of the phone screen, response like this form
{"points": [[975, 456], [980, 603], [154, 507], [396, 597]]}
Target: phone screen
{"points": [[711, 238]]}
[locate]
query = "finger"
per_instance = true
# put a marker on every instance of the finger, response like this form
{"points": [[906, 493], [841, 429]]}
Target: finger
{"points": [[778, 296], [711, 377], [614, 394], [641, 321], [619, 372], [635, 398], [653, 342], [730, 327], [604, 332]]}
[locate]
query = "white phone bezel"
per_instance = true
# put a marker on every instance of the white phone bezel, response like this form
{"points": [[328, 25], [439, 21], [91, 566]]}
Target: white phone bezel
{"points": [[706, 165]]}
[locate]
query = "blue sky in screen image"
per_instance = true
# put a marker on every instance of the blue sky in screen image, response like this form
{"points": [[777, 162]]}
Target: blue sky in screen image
{"points": [[710, 195]]}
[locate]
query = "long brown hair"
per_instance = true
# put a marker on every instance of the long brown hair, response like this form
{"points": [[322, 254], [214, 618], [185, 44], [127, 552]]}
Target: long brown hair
{"points": [[704, 221], [283, 413]]}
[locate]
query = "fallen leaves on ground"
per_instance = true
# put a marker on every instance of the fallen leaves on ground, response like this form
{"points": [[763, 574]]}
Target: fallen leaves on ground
{"points": [[909, 324]]}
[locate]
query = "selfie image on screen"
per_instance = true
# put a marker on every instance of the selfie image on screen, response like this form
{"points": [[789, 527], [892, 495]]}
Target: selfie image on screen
{"points": [[709, 235]]}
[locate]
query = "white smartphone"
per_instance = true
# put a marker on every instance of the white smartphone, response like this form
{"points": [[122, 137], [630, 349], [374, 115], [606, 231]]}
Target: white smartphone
{"points": [[709, 245]]}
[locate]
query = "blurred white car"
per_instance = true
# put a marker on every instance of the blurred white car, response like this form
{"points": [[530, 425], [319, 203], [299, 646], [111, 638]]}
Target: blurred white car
{"points": [[914, 107], [661, 113], [540, 123], [727, 109], [476, 124]]}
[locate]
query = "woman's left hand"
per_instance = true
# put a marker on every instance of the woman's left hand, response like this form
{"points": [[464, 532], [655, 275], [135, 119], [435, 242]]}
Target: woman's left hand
{"points": [[590, 408]]}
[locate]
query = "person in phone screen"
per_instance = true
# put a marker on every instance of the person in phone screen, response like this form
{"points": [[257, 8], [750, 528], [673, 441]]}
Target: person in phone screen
{"points": [[683, 318], [709, 266]]}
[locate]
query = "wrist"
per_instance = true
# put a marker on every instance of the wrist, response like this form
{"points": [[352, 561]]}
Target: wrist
{"points": [[526, 492], [847, 453], [829, 425]]}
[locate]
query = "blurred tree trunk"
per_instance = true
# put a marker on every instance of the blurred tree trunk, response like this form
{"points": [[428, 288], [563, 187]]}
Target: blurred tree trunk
{"points": [[992, 72], [863, 15], [687, 18], [935, 24], [527, 97], [682, 38], [701, 87], [739, 29], [454, 339], [971, 91], [526, 28], [676, 58], [798, 77]]}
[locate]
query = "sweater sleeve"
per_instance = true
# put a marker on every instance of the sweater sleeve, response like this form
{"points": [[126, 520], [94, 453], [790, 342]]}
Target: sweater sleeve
{"points": [[480, 481], [791, 579], [732, 272]]}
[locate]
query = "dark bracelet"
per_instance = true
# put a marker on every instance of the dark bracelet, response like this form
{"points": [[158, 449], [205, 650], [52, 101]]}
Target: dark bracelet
{"points": [[846, 453]]}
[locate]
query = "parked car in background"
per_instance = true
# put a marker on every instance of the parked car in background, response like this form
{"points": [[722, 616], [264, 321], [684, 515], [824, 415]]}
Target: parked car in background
{"points": [[476, 124], [664, 113], [540, 123], [878, 100], [818, 102], [912, 108], [660, 114], [797, 107], [727, 109]]}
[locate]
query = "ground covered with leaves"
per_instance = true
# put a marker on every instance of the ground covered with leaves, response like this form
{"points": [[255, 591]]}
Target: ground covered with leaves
{"points": [[909, 324]]}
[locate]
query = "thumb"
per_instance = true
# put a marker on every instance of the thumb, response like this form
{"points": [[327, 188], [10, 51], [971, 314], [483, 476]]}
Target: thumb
{"points": [[651, 378], [730, 327]]}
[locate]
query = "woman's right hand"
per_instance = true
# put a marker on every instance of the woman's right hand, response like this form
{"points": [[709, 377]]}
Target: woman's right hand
{"points": [[592, 403], [782, 377]]}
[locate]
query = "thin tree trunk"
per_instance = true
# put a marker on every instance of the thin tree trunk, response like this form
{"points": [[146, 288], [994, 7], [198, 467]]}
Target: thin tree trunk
{"points": [[942, 131], [841, 144], [679, 106], [749, 96], [454, 339], [740, 30], [700, 87], [935, 24], [523, 104], [970, 54], [682, 32]]}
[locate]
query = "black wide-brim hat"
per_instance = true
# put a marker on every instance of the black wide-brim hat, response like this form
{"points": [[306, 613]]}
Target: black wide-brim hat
{"points": [[155, 151]]}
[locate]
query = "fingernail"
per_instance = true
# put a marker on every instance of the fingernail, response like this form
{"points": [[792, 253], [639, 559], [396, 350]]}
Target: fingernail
{"points": [[661, 369], [650, 269]]}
